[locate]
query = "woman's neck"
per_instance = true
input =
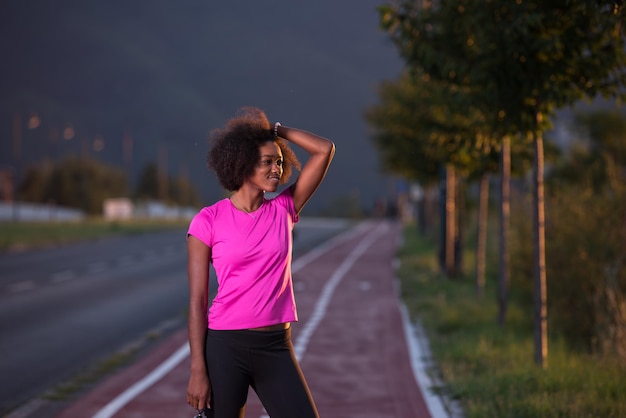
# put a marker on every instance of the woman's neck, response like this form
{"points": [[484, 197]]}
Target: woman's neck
{"points": [[247, 202]]}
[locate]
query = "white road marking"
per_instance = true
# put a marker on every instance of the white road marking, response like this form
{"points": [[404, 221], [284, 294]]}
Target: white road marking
{"points": [[93, 268], [62, 276], [149, 255], [125, 260], [329, 288], [97, 267], [419, 355], [22, 286]]}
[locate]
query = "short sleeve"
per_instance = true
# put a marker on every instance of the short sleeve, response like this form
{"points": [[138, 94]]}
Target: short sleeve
{"points": [[201, 227], [286, 200]]}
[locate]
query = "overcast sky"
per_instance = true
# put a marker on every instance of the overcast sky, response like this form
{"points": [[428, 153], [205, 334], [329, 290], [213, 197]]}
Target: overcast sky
{"points": [[170, 71]]}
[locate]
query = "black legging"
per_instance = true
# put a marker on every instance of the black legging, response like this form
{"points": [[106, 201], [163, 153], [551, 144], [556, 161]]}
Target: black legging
{"points": [[263, 360]]}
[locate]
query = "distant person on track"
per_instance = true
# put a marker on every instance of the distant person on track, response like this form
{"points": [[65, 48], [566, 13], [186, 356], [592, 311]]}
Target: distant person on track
{"points": [[245, 340]]}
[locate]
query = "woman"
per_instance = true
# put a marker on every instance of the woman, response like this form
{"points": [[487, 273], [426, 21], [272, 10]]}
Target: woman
{"points": [[246, 340]]}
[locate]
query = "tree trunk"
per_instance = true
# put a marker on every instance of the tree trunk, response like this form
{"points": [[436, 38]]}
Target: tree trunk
{"points": [[163, 192], [447, 208], [421, 212], [459, 222], [429, 210], [481, 236], [610, 308], [450, 220], [540, 298], [441, 207], [505, 214]]}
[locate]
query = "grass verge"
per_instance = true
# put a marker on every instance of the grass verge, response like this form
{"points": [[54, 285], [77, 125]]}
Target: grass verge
{"points": [[489, 369], [26, 235]]}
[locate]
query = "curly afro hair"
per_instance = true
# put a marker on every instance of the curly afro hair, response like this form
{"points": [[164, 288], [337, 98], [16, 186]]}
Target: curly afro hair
{"points": [[235, 148]]}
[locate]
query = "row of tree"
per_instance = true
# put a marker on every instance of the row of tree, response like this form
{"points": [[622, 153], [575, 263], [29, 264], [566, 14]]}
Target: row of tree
{"points": [[484, 79], [85, 183]]}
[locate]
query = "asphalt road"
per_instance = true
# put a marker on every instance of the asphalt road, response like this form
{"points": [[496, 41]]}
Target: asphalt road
{"points": [[62, 310]]}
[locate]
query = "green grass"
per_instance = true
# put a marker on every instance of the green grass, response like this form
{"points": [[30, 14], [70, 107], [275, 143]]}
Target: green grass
{"points": [[87, 377], [489, 369], [22, 235]]}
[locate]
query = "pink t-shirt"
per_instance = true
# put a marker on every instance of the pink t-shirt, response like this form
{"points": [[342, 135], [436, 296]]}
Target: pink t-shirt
{"points": [[251, 254]]}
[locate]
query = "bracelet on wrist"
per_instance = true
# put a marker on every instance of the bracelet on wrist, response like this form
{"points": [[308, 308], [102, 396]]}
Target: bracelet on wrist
{"points": [[276, 125]]}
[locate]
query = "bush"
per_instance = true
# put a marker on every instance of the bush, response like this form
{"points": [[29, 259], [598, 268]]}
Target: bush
{"points": [[586, 267]]}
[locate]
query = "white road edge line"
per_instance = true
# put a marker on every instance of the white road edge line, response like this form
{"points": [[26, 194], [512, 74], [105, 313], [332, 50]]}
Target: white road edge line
{"points": [[129, 394], [22, 286], [329, 288], [418, 355]]}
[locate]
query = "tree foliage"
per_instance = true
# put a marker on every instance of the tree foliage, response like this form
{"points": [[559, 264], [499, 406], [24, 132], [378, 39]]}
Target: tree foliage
{"points": [[518, 58], [588, 234], [421, 124], [148, 183], [519, 61], [85, 183], [155, 185], [424, 127], [74, 182]]}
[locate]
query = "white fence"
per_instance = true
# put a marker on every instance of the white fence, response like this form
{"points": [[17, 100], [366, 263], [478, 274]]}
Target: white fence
{"points": [[113, 210], [29, 212], [125, 208]]}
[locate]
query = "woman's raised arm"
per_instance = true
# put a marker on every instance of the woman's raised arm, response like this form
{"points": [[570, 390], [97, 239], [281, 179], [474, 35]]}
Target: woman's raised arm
{"points": [[321, 152]]}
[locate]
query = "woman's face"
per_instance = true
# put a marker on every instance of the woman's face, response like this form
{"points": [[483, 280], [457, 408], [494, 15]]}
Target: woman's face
{"points": [[269, 168]]}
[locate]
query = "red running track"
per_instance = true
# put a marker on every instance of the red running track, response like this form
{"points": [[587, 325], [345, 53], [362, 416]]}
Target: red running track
{"points": [[350, 340]]}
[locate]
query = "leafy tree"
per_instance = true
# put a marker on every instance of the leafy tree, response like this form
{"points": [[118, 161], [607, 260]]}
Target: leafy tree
{"points": [[148, 183], [527, 59], [401, 133], [183, 193], [155, 185], [74, 182], [424, 127], [607, 130], [85, 184], [34, 186]]}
